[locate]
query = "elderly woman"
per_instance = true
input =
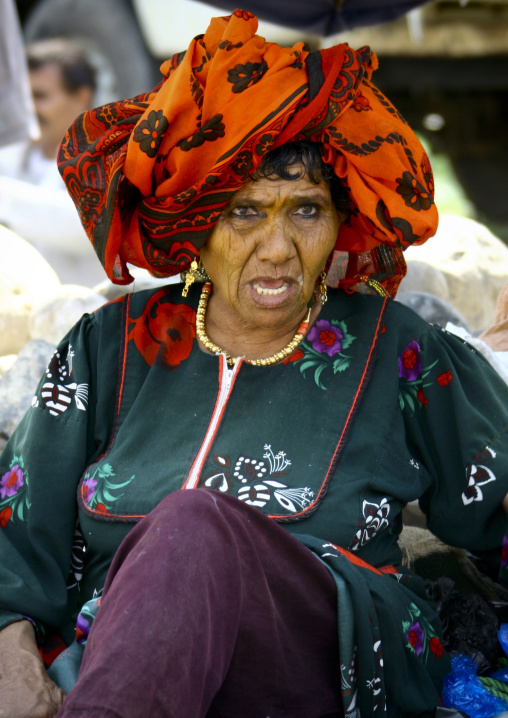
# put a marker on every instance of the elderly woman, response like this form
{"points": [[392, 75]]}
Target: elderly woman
{"points": [[275, 179]]}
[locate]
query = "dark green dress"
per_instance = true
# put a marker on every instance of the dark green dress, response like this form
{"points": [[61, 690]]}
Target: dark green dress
{"points": [[375, 409]]}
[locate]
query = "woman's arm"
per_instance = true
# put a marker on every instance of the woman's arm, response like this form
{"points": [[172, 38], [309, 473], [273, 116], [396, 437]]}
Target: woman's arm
{"points": [[26, 689]]}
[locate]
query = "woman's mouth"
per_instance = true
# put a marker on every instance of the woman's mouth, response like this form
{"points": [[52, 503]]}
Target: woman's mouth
{"points": [[272, 293], [270, 290]]}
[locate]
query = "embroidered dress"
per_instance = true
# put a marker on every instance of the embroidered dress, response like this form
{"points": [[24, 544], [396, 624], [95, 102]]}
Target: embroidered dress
{"points": [[331, 443]]}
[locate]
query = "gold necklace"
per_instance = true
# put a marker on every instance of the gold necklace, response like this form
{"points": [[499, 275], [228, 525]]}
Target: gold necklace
{"points": [[231, 361]]}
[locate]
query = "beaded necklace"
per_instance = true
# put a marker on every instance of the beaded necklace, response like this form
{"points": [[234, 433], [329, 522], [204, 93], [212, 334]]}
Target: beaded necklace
{"points": [[231, 361]]}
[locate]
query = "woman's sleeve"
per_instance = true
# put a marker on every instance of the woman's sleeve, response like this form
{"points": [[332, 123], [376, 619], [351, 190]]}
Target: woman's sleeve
{"points": [[39, 471], [455, 409]]}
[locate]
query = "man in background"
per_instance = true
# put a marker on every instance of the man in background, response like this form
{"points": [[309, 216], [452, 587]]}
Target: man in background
{"points": [[33, 200]]}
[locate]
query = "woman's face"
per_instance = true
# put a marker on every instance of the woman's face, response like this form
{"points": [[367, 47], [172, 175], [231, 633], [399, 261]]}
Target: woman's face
{"points": [[269, 247]]}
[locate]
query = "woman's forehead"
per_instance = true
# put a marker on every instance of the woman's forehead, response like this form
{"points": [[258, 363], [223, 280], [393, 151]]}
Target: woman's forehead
{"points": [[275, 187]]}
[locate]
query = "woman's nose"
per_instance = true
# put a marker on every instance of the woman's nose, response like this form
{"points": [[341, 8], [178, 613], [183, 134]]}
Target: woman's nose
{"points": [[276, 243]]}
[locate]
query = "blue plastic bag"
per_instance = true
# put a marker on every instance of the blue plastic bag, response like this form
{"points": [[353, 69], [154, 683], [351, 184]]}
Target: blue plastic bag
{"points": [[462, 689]]}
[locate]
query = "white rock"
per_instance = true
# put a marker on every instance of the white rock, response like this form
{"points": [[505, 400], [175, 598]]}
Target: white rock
{"points": [[474, 263], [18, 384], [6, 362], [423, 277], [26, 280], [53, 319]]}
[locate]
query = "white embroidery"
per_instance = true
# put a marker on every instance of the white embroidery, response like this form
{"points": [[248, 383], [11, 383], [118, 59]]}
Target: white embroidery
{"points": [[56, 393], [247, 468], [254, 495], [278, 462], [376, 519], [293, 499], [220, 481], [478, 475]]}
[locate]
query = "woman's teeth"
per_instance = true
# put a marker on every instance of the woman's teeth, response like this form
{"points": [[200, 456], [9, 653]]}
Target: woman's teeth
{"points": [[266, 290]]}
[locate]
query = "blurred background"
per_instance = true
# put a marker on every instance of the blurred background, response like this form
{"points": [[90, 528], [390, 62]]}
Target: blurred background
{"points": [[444, 64]]}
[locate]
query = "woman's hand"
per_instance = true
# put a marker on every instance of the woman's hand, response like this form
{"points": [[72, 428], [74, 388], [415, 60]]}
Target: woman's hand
{"points": [[26, 690]]}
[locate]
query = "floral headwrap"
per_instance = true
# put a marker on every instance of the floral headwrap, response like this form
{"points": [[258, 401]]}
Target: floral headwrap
{"points": [[150, 176]]}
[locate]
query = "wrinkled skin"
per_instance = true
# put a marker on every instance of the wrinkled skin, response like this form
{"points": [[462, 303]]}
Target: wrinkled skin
{"points": [[264, 257], [26, 690]]}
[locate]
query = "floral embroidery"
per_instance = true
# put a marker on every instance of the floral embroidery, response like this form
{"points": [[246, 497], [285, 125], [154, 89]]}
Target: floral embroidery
{"points": [[14, 493], [436, 647], [58, 392], [148, 133], [478, 475], [324, 337], [445, 378], [413, 375], [376, 519], [97, 489], [421, 638], [260, 479], [5, 516], [409, 362], [324, 348], [165, 332]]}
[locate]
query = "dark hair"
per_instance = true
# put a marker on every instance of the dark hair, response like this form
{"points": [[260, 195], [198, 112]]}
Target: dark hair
{"points": [[281, 162], [76, 70]]}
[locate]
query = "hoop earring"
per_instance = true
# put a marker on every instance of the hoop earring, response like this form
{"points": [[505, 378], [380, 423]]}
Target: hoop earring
{"points": [[196, 273], [323, 289]]}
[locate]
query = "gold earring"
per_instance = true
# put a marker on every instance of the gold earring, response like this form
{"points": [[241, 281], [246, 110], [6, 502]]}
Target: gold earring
{"points": [[189, 277], [323, 290], [196, 273]]}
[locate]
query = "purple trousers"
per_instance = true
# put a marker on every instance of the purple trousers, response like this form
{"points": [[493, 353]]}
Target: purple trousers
{"points": [[211, 609]]}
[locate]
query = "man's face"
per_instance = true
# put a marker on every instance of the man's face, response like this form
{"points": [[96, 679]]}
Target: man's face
{"points": [[55, 106]]}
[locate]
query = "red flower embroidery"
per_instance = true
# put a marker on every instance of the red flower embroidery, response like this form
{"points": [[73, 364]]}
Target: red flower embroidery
{"points": [[295, 356], [102, 509], [165, 331], [445, 378], [436, 647], [5, 516], [327, 338], [409, 359], [421, 398]]}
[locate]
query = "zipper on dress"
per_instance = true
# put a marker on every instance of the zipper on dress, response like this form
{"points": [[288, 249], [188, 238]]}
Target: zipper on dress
{"points": [[226, 379]]}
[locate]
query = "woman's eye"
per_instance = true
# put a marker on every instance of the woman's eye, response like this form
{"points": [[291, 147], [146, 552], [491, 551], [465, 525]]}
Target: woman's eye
{"points": [[307, 210], [243, 212]]}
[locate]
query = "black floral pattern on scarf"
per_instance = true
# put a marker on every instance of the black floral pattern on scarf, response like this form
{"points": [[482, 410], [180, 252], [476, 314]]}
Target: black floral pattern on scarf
{"points": [[415, 195], [243, 165], [244, 76], [264, 144], [149, 132], [209, 132]]}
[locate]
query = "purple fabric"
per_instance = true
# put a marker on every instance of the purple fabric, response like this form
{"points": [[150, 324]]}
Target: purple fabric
{"points": [[211, 609]]}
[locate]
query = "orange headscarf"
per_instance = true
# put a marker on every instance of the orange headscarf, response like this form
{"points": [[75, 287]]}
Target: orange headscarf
{"points": [[150, 176]]}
